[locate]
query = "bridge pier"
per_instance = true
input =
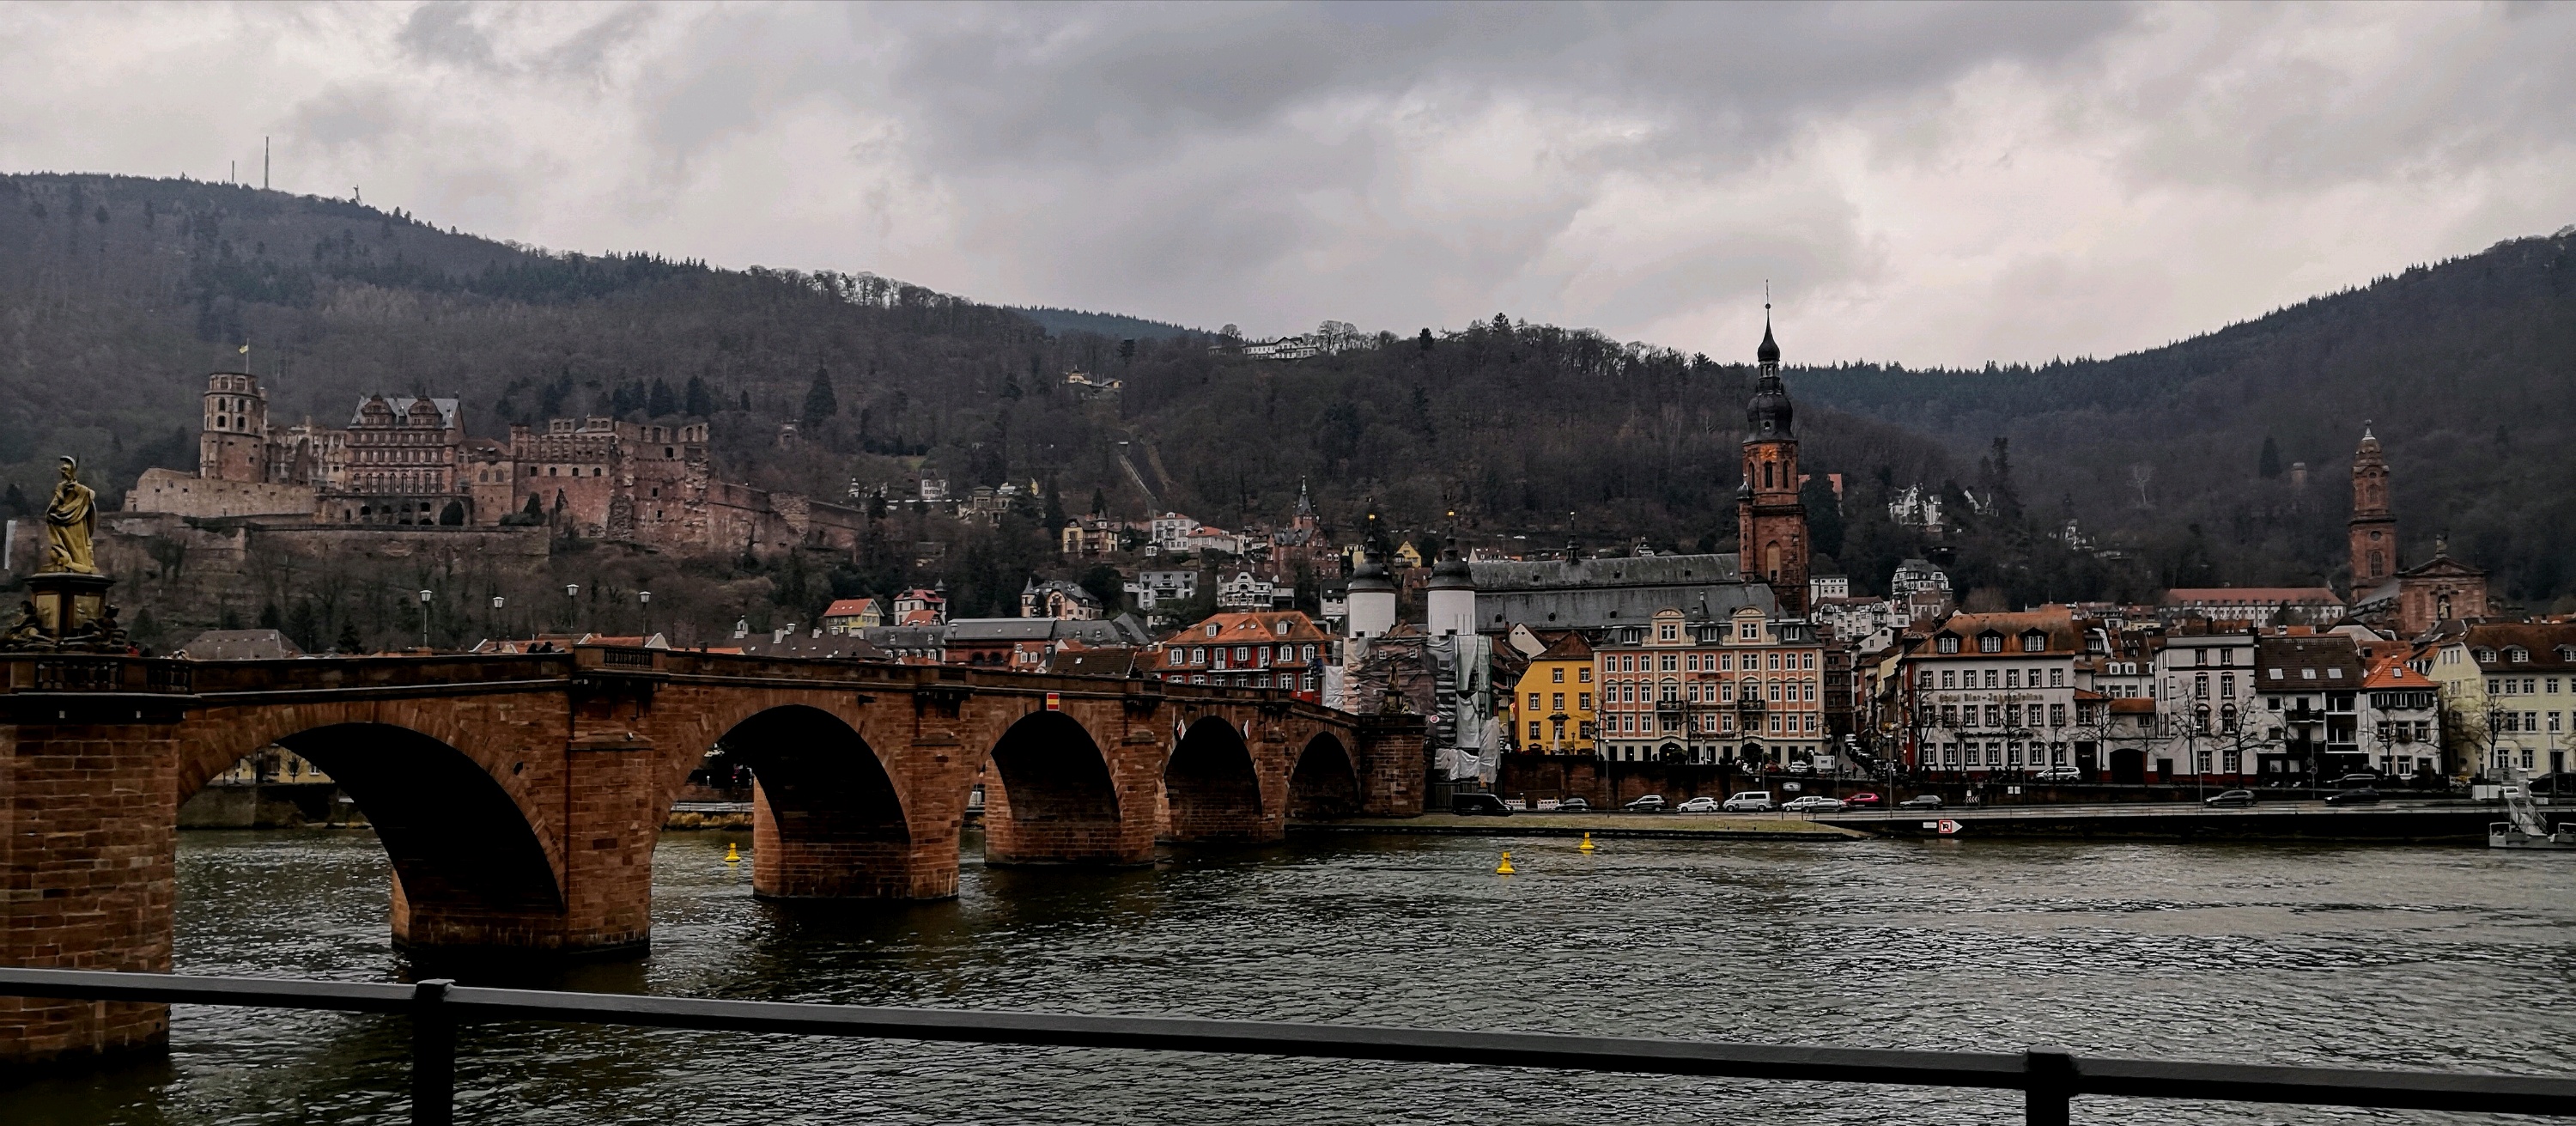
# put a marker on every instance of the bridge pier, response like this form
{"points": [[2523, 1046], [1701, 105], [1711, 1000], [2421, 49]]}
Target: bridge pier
{"points": [[89, 857]]}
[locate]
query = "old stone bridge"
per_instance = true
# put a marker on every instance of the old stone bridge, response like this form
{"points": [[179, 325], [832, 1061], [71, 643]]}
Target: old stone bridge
{"points": [[520, 797]]}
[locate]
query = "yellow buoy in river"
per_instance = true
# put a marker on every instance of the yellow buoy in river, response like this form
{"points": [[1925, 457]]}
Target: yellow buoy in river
{"points": [[1505, 868], [732, 854], [1587, 845]]}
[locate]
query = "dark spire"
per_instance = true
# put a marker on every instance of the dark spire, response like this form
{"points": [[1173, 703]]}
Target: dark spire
{"points": [[1769, 414]]}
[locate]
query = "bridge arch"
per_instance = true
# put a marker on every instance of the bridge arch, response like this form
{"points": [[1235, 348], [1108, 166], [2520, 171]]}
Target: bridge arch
{"points": [[1057, 800], [1325, 782], [827, 819], [1212, 789], [471, 864]]}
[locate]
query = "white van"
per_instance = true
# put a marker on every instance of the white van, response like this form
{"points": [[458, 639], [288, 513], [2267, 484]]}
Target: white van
{"points": [[1751, 801]]}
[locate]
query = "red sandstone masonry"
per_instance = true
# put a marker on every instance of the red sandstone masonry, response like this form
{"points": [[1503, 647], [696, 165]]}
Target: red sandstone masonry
{"points": [[582, 755]]}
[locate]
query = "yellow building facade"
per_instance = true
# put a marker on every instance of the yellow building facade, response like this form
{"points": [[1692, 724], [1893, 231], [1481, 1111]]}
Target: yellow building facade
{"points": [[1552, 704]]}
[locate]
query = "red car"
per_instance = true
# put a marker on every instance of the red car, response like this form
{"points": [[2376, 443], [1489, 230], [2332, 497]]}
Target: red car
{"points": [[1862, 801]]}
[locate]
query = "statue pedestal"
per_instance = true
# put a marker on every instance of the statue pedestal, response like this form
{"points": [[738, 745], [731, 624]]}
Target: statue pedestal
{"points": [[71, 612]]}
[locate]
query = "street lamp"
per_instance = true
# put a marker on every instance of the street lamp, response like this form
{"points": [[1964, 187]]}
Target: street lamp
{"points": [[571, 591], [495, 623], [424, 621], [645, 598]]}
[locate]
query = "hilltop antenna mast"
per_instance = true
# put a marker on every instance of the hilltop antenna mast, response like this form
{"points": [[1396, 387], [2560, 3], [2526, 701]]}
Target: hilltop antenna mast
{"points": [[263, 164]]}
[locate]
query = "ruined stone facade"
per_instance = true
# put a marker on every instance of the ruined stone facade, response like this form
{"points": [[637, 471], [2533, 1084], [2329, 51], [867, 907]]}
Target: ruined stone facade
{"points": [[408, 462]]}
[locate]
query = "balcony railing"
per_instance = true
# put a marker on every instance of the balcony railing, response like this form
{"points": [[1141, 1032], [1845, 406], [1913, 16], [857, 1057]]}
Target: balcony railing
{"points": [[2049, 1079]]}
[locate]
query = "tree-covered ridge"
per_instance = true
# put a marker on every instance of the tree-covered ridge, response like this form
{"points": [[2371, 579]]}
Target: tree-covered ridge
{"points": [[118, 294], [2465, 367]]}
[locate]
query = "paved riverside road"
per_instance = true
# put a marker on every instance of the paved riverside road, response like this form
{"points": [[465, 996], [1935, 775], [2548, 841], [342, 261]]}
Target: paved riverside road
{"points": [[2428, 820]]}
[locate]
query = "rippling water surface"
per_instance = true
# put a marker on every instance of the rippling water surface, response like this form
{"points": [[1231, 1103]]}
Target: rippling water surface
{"points": [[2419, 957]]}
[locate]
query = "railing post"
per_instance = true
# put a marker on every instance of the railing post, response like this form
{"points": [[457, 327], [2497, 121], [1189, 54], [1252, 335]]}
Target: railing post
{"points": [[433, 1055], [2048, 1086]]}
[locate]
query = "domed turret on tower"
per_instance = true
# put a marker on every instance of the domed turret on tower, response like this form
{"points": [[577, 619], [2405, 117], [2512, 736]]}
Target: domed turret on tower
{"points": [[1451, 594], [1372, 599]]}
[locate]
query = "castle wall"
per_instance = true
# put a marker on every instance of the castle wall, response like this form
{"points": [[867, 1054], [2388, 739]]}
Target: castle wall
{"points": [[186, 494]]}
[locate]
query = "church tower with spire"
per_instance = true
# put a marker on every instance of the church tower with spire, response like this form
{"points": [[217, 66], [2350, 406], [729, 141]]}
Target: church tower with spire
{"points": [[2373, 527], [1770, 522]]}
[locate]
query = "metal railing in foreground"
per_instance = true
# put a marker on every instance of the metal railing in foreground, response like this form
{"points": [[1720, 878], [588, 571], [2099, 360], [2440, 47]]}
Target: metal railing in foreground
{"points": [[2049, 1079]]}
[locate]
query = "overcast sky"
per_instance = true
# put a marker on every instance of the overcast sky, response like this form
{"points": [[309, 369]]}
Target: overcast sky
{"points": [[1920, 182]]}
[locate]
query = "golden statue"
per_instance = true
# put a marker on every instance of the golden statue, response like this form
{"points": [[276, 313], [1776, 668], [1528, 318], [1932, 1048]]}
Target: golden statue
{"points": [[71, 519]]}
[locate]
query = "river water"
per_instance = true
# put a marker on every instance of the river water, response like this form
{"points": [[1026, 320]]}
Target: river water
{"points": [[2444, 958]]}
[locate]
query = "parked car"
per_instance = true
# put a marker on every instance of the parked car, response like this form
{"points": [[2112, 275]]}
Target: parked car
{"points": [[1864, 800], [1574, 805], [1697, 805], [1801, 766], [1921, 801], [2362, 780], [1651, 803], [1750, 801], [2231, 797], [2058, 774], [1472, 805], [2363, 796], [1814, 803]]}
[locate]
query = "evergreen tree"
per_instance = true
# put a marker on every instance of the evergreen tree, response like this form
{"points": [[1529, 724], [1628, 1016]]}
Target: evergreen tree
{"points": [[820, 403], [2269, 464], [1424, 340], [662, 401], [1106, 584], [348, 642], [1824, 516], [16, 501], [699, 403], [1054, 517], [1099, 501], [746, 398]]}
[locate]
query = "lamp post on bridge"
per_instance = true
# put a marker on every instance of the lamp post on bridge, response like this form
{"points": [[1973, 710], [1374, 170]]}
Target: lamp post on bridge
{"points": [[571, 592], [645, 598], [493, 623], [424, 621]]}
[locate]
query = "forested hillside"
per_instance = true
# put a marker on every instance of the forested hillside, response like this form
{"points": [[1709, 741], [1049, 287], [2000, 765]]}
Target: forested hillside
{"points": [[117, 295], [2467, 370]]}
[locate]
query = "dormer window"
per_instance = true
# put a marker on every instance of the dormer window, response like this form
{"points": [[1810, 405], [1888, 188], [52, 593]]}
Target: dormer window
{"points": [[1283, 629], [1211, 629], [2034, 642], [2486, 656], [1990, 643], [2517, 655], [1949, 643]]}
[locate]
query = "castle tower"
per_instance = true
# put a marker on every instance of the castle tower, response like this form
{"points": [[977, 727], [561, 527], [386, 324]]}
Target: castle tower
{"points": [[1372, 599], [1451, 594], [1770, 523], [233, 443], [2373, 528]]}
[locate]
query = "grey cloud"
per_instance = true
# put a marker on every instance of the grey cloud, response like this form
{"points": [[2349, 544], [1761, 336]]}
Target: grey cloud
{"points": [[355, 114], [448, 32], [1959, 181]]}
